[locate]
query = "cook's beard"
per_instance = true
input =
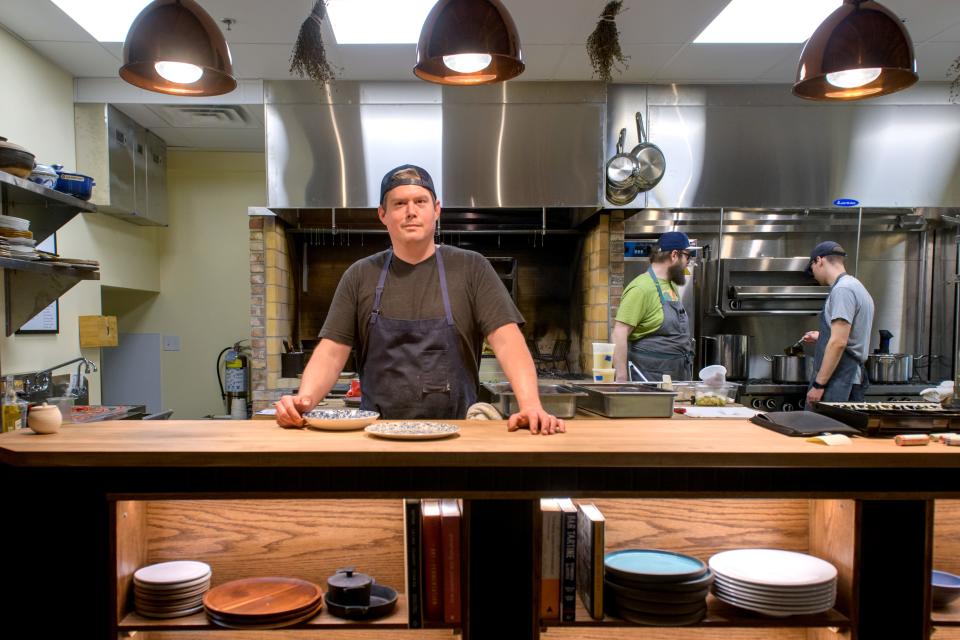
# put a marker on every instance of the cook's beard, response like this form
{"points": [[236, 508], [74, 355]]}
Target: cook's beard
{"points": [[675, 273]]}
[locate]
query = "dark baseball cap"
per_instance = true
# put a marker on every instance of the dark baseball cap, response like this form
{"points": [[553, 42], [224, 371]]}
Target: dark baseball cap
{"points": [[828, 248], [406, 174], [675, 241]]}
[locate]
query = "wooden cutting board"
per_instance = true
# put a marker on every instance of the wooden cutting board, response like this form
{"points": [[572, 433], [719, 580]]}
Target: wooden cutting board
{"points": [[262, 597]]}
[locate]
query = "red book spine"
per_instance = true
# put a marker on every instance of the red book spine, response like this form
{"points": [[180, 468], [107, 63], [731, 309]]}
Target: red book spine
{"points": [[450, 529], [432, 562]]}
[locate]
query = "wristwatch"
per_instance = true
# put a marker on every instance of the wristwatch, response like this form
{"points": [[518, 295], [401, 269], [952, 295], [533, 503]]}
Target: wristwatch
{"points": [[817, 385]]}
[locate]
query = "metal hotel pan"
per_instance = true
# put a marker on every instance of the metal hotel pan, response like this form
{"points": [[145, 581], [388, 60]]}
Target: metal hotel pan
{"points": [[557, 399], [627, 400]]}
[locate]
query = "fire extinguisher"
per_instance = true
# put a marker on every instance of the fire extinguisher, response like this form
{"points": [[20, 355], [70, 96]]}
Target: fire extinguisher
{"points": [[235, 387]]}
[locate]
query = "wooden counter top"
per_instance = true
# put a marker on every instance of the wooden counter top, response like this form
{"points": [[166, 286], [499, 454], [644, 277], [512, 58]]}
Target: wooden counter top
{"points": [[650, 443]]}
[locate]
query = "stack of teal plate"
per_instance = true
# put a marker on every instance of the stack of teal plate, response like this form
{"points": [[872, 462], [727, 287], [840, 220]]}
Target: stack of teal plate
{"points": [[654, 587]]}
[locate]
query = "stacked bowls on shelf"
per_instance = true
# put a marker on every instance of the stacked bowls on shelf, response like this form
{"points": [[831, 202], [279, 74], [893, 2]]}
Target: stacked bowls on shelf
{"points": [[653, 587], [263, 603], [774, 582], [171, 589]]}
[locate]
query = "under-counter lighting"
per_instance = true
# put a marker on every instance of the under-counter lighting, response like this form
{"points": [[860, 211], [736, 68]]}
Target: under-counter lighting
{"points": [[105, 20], [767, 21], [377, 21]]}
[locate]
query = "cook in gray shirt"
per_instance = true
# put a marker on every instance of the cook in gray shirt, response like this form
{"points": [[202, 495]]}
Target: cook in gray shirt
{"points": [[843, 340]]}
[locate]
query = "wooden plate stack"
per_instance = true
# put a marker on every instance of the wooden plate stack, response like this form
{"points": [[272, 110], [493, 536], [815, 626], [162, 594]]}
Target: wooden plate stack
{"points": [[171, 589], [263, 603]]}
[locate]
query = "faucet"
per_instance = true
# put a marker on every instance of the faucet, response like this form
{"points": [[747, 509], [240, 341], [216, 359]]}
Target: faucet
{"points": [[42, 377]]}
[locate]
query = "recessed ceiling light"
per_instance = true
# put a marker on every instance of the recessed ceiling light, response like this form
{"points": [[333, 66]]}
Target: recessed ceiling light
{"points": [[767, 21], [105, 20], [377, 21]]}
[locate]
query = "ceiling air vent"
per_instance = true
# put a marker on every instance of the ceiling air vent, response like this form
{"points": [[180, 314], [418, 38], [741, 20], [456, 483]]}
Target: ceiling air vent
{"points": [[206, 115]]}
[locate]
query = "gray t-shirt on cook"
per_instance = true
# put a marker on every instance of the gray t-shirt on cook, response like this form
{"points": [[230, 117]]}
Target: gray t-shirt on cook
{"points": [[479, 302], [849, 300]]}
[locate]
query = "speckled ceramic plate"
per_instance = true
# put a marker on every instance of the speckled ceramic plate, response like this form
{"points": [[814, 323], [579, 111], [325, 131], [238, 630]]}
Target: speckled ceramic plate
{"points": [[412, 430], [339, 419]]}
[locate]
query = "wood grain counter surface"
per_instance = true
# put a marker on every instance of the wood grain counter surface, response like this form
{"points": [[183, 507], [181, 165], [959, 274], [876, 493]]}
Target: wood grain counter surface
{"points": [[648, 443]]}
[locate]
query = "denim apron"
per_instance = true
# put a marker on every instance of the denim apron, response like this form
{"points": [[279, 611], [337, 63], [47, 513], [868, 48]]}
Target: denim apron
{"points": [[840, 387], [413, 368], [668, 350]]}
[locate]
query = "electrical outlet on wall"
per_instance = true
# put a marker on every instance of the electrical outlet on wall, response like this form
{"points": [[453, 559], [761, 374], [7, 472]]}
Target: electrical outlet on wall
{"points": [[171, 343]]}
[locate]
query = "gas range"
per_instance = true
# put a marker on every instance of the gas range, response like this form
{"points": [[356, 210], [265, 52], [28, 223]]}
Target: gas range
{"points": [[771, 396]]}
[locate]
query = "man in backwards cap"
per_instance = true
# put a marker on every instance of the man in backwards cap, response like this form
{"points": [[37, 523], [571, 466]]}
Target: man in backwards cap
{"points": [[843, 341], [652, 329], [418, 314]]}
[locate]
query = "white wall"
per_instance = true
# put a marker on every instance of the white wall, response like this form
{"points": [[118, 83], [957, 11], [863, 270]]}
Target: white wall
{"points": [[204, 272]]}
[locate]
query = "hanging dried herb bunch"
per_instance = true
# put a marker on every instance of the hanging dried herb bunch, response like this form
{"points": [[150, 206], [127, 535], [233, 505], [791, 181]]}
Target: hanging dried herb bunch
{"points": [[954, 72], [309, 59], [603, 45]]}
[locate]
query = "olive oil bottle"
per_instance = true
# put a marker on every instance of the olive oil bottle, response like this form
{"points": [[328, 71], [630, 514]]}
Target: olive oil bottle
{"points": [[12, 418]]}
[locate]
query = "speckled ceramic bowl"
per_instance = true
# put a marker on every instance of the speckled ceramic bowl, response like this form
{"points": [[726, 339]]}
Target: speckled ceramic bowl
{"points": [[339, 419]]}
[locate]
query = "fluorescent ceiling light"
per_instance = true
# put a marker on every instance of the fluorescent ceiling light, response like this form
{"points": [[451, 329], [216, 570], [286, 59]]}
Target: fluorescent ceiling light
{"points": [[766, 21], [378, 21], [105, 20]]}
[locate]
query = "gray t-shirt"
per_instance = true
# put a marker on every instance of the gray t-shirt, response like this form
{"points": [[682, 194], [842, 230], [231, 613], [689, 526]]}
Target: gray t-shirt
{"points": [[479, 302], [849, 300]]}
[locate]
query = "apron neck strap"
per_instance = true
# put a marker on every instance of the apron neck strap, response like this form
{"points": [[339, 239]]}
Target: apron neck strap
{"points": [[448, 313], [383, 278], [443, 288], [656, 283]]}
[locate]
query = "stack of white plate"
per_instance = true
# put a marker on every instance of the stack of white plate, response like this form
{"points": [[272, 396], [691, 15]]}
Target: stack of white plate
{"points": [[774, 582], [171, 589], [17, 224]]}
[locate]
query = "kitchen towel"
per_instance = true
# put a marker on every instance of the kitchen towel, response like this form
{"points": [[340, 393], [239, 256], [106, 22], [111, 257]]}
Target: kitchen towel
{"points": [[483, 411]]}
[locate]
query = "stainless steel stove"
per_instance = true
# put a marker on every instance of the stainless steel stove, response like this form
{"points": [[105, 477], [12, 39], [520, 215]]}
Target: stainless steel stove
{"points": [[770, 396]]}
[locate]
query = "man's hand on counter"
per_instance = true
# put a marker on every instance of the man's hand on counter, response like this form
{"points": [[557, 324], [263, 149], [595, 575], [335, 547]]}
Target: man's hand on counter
{"points": [[290, 410], [537, 421]]}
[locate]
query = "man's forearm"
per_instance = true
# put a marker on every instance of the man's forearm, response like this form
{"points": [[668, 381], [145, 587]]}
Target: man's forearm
{"points": [[323, 369], [831, 358], [514, 358], [620, 346]]}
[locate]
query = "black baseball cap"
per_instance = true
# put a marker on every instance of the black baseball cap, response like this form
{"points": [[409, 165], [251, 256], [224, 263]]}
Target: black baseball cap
{"points": [[828, 248], [408, 174]]}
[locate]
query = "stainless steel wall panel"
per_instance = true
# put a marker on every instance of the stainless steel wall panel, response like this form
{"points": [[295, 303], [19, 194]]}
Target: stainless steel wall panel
{"points": [[522, 155], [759, 147]]}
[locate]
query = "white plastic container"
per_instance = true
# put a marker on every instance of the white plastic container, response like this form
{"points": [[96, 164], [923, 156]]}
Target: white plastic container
{"points": [[604, 375], [602, 355]]}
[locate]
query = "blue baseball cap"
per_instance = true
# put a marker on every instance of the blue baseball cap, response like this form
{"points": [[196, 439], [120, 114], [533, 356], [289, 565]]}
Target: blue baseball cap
{"points": [[675, 241], [828, 248], [408, 174]]}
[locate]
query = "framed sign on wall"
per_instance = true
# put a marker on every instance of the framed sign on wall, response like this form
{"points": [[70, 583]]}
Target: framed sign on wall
{"points": [[48, 320]]}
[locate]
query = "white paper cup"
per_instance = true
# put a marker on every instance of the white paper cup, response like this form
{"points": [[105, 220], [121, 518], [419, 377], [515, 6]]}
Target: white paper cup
{"points": [[602, 355], [604, 375]]}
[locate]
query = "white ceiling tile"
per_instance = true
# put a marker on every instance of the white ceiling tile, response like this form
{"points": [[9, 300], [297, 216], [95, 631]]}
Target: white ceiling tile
{"points": [[783, 71], [574, 64], [950, 35], [934, 59], [542, 61], [724, 62], [79, 58], [665, 22], [378, 62], [926, 18], [645, 61], [262, 22], [553, 21], [267, 61], [143, 115], [40, 20]]}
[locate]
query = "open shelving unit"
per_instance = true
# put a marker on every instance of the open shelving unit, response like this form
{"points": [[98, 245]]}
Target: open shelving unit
{"points": [[31, 285]]}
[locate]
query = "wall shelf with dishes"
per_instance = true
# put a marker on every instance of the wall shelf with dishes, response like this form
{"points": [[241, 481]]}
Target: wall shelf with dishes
{"points": [[32, 284]]}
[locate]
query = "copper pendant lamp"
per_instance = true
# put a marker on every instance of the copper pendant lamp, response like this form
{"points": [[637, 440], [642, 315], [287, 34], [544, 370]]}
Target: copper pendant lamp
{"points": [[862, 50], [467, 42], [175, 47]]}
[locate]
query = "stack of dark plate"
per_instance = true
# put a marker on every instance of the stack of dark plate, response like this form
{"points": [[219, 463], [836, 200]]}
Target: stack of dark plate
{"points": [[171, 589], [263, 603], [653, 587]]}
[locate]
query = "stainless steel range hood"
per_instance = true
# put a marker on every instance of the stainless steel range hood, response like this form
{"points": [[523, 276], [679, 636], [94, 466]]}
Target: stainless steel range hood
{"points": [[509, 145]]}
